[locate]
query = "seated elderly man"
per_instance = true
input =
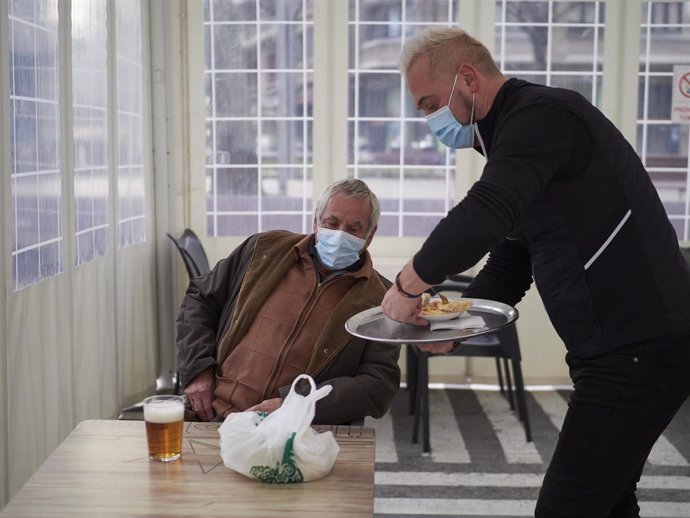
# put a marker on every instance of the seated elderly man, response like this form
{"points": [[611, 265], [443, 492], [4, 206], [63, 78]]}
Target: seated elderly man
{"points": [[276, 308]]}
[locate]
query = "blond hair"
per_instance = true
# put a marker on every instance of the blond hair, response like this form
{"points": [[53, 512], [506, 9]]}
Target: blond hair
{"points": [[446, 49]]}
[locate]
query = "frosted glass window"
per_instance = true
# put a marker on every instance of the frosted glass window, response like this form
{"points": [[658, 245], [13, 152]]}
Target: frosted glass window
{"points": [[663, 145], [258, 84], [131, 185], [555, 43], [390, 145], [34, 141], [90, 128]]}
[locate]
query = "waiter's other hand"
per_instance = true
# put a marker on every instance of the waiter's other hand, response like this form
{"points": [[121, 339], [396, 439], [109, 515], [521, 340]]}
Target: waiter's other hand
{"points": [[403, 309], [439, 347]]}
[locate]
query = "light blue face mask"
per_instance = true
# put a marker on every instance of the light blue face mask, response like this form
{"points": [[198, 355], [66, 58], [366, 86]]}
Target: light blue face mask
{"points": [[337, 249], [447, 128]]}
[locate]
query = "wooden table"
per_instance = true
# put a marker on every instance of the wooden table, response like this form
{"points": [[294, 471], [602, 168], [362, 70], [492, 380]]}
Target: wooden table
{"points": [[102, 469]]}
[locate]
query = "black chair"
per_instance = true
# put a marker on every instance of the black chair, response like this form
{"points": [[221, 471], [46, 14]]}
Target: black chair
{"points": [[501, 345], [196, 262], [192, 252]]}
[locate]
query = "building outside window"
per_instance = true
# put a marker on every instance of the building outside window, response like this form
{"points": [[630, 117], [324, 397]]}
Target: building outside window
{"points": [[662, 144], [41, 204], [131, 181], [258, 84], [34, 142], [557, 44], [90, 128], [390, 145]]}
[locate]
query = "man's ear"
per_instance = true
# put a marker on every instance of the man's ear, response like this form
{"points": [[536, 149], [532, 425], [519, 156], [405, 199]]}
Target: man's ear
{"points": [[370, 236], [469, 74]]}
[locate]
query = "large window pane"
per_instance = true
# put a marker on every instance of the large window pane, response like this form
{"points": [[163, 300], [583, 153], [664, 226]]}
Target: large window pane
{"points": [[556, 43], [131, 179], [236, 94], [387, 138], [258, 77], [34, 141], [379, 95], [663, 145], [90, 123]]}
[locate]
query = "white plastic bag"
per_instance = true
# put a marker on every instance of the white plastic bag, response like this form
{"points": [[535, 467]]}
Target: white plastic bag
{"points": [[280, 447]]}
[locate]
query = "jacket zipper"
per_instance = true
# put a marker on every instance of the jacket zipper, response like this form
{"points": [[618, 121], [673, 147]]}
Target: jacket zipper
{"points": [[290, 340]]}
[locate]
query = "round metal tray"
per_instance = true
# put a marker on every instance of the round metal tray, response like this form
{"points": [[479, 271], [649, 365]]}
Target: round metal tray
{"points": [[372, 324]]}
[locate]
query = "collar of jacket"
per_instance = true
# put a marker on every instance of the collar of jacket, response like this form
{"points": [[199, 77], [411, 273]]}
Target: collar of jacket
{"points": [[488, 124], [272, 258]]}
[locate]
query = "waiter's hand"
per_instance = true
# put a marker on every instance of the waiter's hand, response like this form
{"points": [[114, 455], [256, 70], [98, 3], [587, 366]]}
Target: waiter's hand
{"points": [[440, 347], [399, 303], [403, 309]]}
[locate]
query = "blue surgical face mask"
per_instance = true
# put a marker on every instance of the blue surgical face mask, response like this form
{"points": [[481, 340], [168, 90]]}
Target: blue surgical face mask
{"points": [[447, 128], [337, 249]]}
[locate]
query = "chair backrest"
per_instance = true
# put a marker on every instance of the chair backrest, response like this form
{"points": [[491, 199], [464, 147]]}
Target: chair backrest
{"points": [[192, 252]]}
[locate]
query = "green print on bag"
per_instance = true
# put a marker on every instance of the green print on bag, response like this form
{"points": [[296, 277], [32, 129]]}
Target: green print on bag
{"points": [[284, 472]]}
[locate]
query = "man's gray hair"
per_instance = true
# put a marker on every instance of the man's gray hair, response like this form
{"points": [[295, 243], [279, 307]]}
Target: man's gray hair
{"points": [[350, 188], [446, 48]]}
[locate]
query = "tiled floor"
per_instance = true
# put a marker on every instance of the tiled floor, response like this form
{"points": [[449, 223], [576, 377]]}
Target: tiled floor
{"points": [[480, 464]]}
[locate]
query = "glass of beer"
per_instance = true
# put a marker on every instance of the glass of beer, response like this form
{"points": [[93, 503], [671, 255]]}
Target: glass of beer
{"points": [[164, 416]]}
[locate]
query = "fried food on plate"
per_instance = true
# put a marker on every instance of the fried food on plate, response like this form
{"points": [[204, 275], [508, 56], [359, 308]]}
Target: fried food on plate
{"points": [[437, 307]]}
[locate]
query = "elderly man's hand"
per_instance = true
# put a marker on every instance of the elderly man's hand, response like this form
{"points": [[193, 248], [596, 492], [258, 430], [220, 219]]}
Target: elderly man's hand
{"points": [[200, 394], [403, 309], [267, 405]]}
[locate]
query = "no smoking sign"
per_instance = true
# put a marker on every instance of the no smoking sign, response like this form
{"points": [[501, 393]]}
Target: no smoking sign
{"points": [[680, 107]]}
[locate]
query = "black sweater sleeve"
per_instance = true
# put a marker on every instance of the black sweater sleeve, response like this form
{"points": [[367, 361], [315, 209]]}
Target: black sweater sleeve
{"points": [[530, 146], [505, 277]]}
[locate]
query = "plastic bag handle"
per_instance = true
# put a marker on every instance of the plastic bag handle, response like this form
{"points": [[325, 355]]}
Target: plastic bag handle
{"points": [[314, 394], [307, 377]]}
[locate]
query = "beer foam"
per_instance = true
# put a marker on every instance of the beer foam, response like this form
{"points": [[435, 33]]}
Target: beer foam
{"points": [[163, 412]]}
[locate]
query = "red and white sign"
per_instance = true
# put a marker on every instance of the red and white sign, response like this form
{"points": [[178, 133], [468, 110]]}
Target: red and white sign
{"points": [[680, 104]]}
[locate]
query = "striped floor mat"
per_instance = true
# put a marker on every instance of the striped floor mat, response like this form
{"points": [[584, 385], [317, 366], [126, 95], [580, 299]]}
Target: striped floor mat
{"points": [[481, 465]]}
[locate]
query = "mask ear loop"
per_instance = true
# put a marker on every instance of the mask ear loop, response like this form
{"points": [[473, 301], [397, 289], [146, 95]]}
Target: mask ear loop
{"points": [[476, 130], [452, 90], [481, 140]]}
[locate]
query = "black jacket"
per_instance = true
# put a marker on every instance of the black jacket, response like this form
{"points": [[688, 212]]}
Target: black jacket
{"points": [[564, 199]]}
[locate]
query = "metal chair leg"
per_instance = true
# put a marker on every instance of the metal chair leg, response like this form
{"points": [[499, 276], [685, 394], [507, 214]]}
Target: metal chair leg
{"points": [[411, 378], [417, 397], [521, 400], [423, 389], [421, 412], [499, 373], [509, 384], [177, 387]]}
